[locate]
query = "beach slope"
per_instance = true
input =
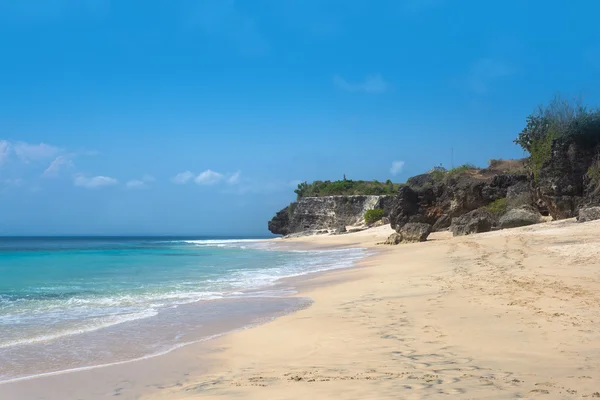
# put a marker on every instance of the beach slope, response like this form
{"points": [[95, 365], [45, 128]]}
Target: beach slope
{"points": [[500, 315]]}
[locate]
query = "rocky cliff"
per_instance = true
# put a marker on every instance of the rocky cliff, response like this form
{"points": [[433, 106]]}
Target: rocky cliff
{"points": [[331, 213], [471, 200], [563, 183], [436, 200]]}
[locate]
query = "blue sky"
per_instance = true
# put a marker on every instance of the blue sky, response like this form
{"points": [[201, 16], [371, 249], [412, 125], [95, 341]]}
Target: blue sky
{"points": [[200, 116]]}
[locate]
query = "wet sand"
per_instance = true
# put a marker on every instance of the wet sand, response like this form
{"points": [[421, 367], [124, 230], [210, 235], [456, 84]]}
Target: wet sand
{"points": [[509, 314]]}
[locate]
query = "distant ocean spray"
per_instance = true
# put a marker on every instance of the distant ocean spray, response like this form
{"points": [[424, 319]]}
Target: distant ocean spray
{"points": [[72, 303]]}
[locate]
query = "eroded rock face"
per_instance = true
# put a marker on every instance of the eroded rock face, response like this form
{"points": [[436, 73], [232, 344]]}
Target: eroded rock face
{"points": [[436, 203], [415, 232], [332, 213], [561, 188], [588, 214], [405, 208], [519, 194], [561, 182], [476, 221], [520, 217], [280, 224]]}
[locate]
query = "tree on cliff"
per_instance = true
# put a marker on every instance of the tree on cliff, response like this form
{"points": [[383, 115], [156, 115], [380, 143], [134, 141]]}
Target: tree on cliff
{"points": [[559, 119]]}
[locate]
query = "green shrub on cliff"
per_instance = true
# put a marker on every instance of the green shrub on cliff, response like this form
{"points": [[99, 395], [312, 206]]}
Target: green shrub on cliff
{"points": [[557, 120], [593, 172], [345, 187], [541, 150], [461, 169], [374, 215], [497, 207]]}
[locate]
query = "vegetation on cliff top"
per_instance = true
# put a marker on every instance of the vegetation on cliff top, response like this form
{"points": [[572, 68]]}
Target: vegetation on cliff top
{"points": [[345, 187], [559, 119]]}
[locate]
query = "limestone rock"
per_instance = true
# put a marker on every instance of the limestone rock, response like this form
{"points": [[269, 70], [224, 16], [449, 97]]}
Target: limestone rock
{"points": [[280, 224], [329, 212], [519, 195], [588, 214], [442, 223], [520, 217], [394, 239], [476, 221], [376, 224], [415, 232], [405, 206], [561, 182]]}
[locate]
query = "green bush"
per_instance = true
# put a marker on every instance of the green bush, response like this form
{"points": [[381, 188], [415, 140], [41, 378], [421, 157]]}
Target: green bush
{"points": [[494, 162], [345, 187], [557, 120], [593, 172], [374, 215], [438, 175], [497, 207], [462, 169], [541, 150]]}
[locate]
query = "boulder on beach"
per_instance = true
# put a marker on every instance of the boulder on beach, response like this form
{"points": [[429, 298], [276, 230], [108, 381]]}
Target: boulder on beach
{"points": [[394, 239], [520, 217], [415, 232], [588, 214], [476, 221]]}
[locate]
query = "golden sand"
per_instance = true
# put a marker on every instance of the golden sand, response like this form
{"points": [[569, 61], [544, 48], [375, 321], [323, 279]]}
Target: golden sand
{"points": [[502, 315]]}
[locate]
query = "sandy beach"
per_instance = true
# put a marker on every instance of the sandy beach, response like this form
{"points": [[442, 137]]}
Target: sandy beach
{"points": [[506, 314]]}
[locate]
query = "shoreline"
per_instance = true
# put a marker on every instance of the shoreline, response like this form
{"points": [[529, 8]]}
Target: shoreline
{"points": [[498, 315], [260, 321], [495, 315], [283, 283]]}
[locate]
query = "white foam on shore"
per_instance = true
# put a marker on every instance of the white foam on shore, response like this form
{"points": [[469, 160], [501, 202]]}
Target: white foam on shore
{"points": [[87, 368], [102, 312], [102, 323], [243, 283], [149, 356], [221, 242]]}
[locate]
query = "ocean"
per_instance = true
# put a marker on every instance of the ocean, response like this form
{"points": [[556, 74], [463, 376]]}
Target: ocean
{"points": [[82, 302]]}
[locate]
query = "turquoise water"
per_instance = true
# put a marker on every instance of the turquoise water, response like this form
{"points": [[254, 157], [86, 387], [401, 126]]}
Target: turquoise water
{"points": [[68, 303]]}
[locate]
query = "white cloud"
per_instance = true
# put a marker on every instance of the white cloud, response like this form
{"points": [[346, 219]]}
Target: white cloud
{"points": [[94, 182], [27, 152], [182, 177], [234, 178], [208, 177], [140, 183], [4, 151], [34, 152], [60, 163], [397, 167], [371, 84]]}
